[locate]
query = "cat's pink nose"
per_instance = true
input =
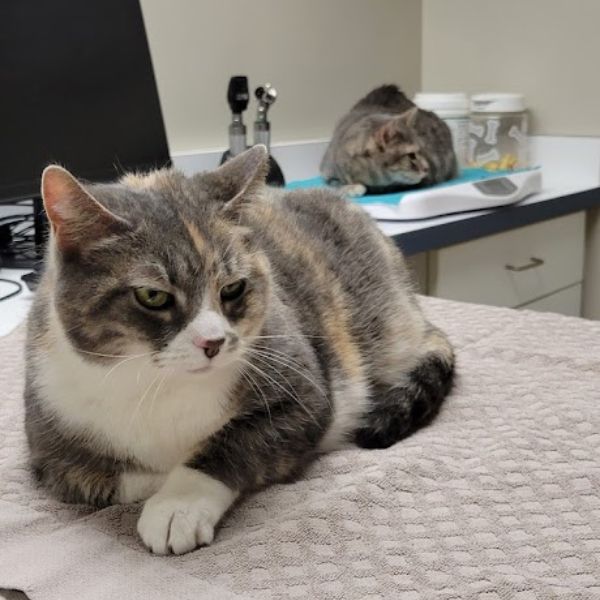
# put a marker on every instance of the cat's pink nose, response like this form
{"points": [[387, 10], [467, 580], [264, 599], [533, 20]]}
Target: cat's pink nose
{"points": [[211, 347]]}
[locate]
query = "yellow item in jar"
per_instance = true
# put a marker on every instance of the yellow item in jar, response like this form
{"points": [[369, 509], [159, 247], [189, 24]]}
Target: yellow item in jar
{"points": [[506, 163]]}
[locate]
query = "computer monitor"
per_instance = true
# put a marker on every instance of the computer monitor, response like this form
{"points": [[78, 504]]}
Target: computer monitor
{"points": [[76, 88]]}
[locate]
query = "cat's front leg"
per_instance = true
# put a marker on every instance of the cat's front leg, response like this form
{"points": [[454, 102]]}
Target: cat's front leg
{"points": [[347, 190], [251, 452], [264, 444], [138, 485], [353, 190], [183, 514]]}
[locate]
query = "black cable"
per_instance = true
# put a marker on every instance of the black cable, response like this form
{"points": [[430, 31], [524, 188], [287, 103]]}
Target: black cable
{"points": [[15, 219], [17, 245], [11, 294]]}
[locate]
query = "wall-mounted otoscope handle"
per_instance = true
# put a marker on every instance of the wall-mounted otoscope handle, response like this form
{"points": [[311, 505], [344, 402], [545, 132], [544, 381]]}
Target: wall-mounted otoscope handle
{"points": [[266, 96], [237, 94], [237, 98]]}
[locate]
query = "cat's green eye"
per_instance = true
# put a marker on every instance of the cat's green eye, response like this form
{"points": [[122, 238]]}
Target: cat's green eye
{"points": [[153, 299], [233, 291]]}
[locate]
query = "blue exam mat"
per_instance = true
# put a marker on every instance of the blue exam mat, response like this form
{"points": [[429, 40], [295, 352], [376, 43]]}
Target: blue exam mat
{"points": [[466, 176]]}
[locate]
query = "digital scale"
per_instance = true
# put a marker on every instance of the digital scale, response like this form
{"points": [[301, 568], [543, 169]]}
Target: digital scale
{"points": [[474, 189]]}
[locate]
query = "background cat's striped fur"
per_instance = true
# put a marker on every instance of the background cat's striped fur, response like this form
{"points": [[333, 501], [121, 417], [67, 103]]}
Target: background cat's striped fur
{"points": [[324, 345], [385, 141]]}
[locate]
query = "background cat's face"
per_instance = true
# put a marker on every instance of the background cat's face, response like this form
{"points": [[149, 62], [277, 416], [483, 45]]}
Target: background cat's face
{"points": [[397, 150], [158, 265], [390, 154]]}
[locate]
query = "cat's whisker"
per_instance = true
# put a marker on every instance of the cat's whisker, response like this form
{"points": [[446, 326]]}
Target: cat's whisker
{"points": [[282, 358], [276, 352], [141, 401], [293, 396], [252, 382], [120, 363], [157, 390], [138, 375], [78, 326], [115, 355], [288, 362], [289, 336], [302, 373], [264, 362]]}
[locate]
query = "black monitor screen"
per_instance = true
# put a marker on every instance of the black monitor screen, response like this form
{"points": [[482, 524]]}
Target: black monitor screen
{"points": [[76, 88]]}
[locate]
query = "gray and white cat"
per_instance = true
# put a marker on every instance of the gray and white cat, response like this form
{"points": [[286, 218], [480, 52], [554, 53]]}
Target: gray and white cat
{"points": [[386, 142], [195, 339]]}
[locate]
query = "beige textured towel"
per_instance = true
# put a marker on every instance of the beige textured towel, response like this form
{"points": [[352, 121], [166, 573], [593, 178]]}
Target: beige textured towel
{"points": [[498, 499]]}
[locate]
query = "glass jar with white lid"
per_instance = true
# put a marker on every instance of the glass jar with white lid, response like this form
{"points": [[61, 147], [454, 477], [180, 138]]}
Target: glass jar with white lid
{"points": [[498, 132]]}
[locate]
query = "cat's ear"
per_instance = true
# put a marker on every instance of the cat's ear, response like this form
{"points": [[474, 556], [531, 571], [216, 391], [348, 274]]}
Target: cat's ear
{"points": [[77, 218], [408, 117], [394, 130], [242, 177], [386, 134]]}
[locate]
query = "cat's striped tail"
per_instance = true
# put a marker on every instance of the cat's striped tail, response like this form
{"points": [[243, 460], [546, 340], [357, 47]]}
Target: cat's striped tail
{"points": [[398, 410]]}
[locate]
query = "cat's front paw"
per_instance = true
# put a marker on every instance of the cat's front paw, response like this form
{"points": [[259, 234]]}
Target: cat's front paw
{"points": [[175, 525], [183, 514], [354, 190]]}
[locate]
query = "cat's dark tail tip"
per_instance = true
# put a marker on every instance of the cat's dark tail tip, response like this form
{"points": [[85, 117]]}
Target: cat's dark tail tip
{"points": [[398, 411]]}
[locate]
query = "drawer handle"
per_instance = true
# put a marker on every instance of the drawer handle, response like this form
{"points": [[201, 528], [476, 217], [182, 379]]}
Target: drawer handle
{"points": [[534, 262]]}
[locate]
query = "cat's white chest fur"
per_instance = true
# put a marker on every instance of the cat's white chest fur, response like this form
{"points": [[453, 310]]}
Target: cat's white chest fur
{"points": [[138, 411]]}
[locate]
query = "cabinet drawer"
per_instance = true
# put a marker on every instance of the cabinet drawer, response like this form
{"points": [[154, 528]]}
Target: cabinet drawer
{"points": [[565, 302], [512, 268]]}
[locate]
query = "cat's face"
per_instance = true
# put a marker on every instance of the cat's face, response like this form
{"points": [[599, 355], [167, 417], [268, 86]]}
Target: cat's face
{"points": [[159, 266], [388, 152], [396, 149]]}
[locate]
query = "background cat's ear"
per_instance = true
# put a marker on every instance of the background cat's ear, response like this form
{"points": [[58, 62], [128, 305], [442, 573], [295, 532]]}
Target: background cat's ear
{"points": [[77, 219], [409, 116], [394, 130], [386, 134], [242, 177]]}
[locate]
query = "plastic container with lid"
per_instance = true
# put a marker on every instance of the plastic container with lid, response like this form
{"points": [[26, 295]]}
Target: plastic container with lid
{"points": [[453, 108], [498, 132]]}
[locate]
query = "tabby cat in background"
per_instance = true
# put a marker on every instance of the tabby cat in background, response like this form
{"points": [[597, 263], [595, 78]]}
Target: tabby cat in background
{"points": [[195, 339], [386, 143]]}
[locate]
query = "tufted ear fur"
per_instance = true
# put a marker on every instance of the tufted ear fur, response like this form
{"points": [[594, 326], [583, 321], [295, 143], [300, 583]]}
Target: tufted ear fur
{"points": [[77, 218]]}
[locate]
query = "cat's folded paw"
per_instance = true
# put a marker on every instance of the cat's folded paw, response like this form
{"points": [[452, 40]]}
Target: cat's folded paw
{"points": [[176, 525], [354, 190], [183, 514]]}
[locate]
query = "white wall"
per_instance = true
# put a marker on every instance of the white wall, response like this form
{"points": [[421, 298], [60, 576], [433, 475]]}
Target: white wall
{"points": [[547, 49], [321, 55]]}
